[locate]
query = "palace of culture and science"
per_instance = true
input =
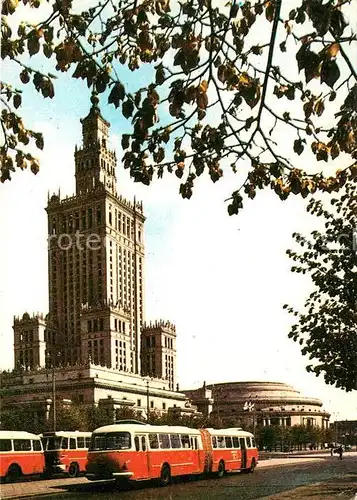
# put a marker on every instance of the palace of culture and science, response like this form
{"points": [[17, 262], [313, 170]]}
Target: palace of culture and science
{"points": [[94, 341]]}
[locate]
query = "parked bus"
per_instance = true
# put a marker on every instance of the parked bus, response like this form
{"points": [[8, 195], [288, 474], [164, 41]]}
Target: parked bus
{"points": [[65, 451], [139, 452], [231, 449], [21, 454]]}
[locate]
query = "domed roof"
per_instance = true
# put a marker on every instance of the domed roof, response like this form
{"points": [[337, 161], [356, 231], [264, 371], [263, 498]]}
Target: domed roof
{"points": [[260, 392]]}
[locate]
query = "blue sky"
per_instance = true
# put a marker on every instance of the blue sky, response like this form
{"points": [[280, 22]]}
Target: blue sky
{"points": [[222, 280]]}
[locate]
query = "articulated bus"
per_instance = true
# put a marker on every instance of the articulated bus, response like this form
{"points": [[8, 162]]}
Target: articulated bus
{"points": [[65, 451], [21, 454], [140, 452]]}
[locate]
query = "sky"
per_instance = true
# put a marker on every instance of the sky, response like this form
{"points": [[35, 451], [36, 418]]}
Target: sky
{"points": [[222, 280]]}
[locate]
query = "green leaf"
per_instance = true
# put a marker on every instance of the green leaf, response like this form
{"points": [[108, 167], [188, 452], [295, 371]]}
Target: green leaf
{"points": [[17, 100], [117, 94], [298, 146], [301, 56], [39, 141], [311, 65], [330, 72], [125, 141], [33, 44], [127, 108]]}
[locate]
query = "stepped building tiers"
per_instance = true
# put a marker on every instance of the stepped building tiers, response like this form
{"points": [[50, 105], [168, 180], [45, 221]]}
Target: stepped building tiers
{"points": [[258, 403], [94, 342]]}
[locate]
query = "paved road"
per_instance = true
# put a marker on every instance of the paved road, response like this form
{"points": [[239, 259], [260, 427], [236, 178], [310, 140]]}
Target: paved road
{"points": [[270, 478]]}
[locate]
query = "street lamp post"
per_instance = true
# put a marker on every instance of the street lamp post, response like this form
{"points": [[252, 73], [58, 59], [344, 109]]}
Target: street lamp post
{"points": [[54, 398], [54, 414], [147, 401]]}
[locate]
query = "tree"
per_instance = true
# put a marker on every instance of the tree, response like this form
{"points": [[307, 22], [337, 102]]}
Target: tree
{"points": [[21, 418], [326, 328], [300, 436], [229, 89]]}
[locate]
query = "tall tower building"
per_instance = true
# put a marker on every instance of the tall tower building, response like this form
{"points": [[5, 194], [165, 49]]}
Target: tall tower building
{"points": [[29, 341], [158, 347], [96, 261]]}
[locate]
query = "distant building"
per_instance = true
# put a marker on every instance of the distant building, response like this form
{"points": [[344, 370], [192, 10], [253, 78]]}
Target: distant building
{"points": [[344, 431], [268, 403], [94, 343]]}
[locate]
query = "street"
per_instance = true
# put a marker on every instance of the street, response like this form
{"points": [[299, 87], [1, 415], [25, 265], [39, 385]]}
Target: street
{"points": [[270, 478]]}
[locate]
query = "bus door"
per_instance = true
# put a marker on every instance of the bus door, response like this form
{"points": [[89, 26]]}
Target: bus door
{"points": [[140, 463], [196, 459], [243, 449]]}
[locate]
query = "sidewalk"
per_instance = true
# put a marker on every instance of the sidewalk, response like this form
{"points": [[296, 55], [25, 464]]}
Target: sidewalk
{"points": [[26, 489], [341, 488]]}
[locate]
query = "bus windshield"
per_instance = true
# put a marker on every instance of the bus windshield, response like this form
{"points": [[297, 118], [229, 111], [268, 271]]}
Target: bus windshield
{"points": [[52, 443], [111, 441]]}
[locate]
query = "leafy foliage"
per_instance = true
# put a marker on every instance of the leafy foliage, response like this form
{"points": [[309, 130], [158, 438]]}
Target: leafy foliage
{"points": [[281, 438], [326, 329], [222, 88]]}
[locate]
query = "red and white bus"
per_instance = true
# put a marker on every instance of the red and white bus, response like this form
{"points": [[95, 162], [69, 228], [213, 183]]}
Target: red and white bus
{"points": [[21, 454], [230, 449], [139, 452], [65, 451]]}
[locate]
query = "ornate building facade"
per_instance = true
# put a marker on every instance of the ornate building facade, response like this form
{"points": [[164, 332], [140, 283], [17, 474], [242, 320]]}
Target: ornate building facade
{"points": [[94, 340]]}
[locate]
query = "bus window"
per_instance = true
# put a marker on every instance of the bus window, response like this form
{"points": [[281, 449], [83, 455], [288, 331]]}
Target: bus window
{"points": [[72, 444], [248, 442], [253, 443], [87, 440], [36, 444], [164, 441], [137, 443], [175, 441], [236, 442], [185, 441], [64, 443], [5, 445], [220, 442], [81, 442], [193, 441], [118, 441], [154, 443], [22, 445], [143, 443], [98, 442], [229, 442], [214, 442]]}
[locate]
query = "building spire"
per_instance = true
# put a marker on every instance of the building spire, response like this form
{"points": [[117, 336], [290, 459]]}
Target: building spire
{"points": [[94, 100]]}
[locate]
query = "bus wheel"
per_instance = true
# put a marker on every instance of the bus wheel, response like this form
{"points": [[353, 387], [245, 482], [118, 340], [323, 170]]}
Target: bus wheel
{"points": [[73, 470], [165, 476], [221, 469], [252, 466], [14, 472]]}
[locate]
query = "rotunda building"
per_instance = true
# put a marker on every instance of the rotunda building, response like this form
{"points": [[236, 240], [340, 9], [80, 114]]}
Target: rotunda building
{"points": [[259, 403]]}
